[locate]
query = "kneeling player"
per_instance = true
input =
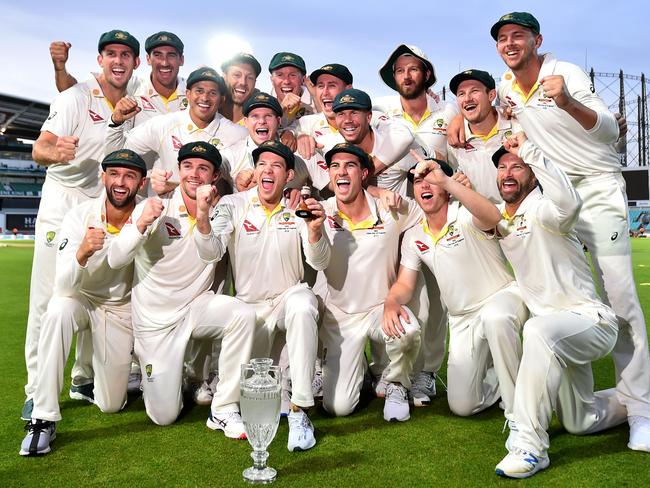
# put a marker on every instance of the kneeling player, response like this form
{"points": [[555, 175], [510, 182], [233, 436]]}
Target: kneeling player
{"points": [[365, 244], [570, 326], [172, 300], [485, 308], [265, 240], [89, 295]]}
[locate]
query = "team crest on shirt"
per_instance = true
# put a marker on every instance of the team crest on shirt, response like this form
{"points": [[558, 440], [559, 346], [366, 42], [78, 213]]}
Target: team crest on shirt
{"points": [[95, 117], [439, 126], [172, 232], [545, 102], [422, 247], [176, 143], [520, 225], [215, 141], [453, 237], [285, 222], [184, 104], [146, 104], [148, 370], [49, 238], [250, 228]]}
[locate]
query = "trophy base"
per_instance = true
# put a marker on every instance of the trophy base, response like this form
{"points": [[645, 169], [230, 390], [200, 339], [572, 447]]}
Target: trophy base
{"points": [[258, 476]]}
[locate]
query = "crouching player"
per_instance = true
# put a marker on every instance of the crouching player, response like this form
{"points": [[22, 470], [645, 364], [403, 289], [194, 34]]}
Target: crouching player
{"points": [[363, 264], [455, 240], [89, 295], [172, 300], [570, 326], [266, 241]]}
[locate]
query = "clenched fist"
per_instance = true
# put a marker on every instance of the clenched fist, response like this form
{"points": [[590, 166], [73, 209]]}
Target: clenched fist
{"points": [[92, 242], [126, 109], [152, 210], [59, 54], [67, 148]]}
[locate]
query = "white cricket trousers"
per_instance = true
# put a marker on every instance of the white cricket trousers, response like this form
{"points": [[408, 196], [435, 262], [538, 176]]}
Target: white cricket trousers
{"points": [[604, 228], [344, 339], [294, 312], [161, 353], [555, 373], [484, 354], [432, 315], [56, 201], [112, 338]]}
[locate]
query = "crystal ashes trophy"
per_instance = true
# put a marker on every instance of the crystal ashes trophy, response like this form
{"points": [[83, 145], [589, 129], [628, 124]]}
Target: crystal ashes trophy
{"points": [[260, 386]]}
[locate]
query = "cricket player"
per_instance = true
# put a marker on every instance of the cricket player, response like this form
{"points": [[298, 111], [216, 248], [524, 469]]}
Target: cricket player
{"points": [[71, 145], [456, 239], [386, 144], [262, 116], [484, 129], [172, 301], [569, 326], [88, 295], [163, 91], [165, 135], [555, 104], [288, 72], [266, 240], [363, 264], [240, 74], [328, 81], [409, 72]]}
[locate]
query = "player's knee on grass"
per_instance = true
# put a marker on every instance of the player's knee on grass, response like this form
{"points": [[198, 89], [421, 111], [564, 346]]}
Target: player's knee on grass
{"points": [[163, 418], [460, 402], [110, 405], [340, 407]]}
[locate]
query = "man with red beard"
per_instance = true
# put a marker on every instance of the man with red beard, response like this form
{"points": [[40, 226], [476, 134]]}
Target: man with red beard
{"points": [[172, 300], [88, 295], [240, 74], [253, 225], [72, 145], [484, 127]]}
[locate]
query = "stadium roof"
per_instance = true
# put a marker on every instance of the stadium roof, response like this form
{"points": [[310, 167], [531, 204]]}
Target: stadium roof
{"points": [[21, 118]]}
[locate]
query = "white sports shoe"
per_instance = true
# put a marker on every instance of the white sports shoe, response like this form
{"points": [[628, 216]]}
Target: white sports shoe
{"points": [[396, 405], [203, 394], [512, 436], [301, 432], [521, 464], [40, 434], [639, 433], [417, 397], [285, 398], [230, 422], [425, 381]]}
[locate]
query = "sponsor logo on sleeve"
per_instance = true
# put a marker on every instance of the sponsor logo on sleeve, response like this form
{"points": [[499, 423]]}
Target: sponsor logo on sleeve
{"points": [[176, 143], [422, 247], [146, 104], [250, 228], [172, 232]]}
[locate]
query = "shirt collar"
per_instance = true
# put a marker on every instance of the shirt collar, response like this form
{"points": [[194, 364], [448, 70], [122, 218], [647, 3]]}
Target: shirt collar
{"points": [[532, 197], [190, 127]]}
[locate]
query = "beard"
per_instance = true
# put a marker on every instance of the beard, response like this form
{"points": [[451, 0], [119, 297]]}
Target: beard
{"points": [[125, 202], [412, 91]]}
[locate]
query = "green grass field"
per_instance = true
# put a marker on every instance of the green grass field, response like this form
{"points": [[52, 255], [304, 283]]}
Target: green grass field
{"points": [[433, 447]]}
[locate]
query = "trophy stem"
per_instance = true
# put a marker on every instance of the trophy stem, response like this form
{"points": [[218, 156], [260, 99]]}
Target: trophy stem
{"points": [[259, 458]]}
